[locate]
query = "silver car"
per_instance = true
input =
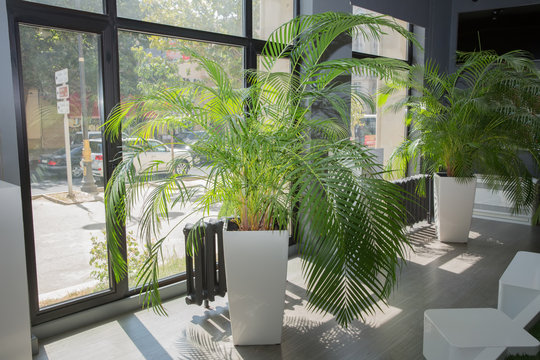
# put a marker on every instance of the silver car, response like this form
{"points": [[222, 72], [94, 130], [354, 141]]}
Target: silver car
{"points": [[157, 154]]}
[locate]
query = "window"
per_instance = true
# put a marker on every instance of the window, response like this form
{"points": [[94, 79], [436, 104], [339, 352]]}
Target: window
{"points": [[219, 16], [148, 63], [391, 45], [95, 6], [379, 128], [68, 223], [281, 65], [269, 15], [70, 270], [71, 266]]}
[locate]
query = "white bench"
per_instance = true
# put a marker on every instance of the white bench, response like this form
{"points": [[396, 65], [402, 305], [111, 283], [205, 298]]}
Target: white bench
{"points": [[519, 285], [474, 334], [490, 334]]}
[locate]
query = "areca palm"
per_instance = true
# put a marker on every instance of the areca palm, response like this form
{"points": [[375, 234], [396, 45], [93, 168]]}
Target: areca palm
{"points": [[476, 120], [276, 161]]}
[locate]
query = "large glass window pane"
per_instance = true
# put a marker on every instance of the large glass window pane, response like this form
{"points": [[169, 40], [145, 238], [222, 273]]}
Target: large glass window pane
{"points": [[220, 16], [149, 63], [269, 15], [84, 5], [69, 221], [391, 44], [380, 128]]}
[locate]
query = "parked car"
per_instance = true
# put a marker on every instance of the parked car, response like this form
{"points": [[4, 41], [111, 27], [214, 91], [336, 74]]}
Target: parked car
{"points": [[55, 163], [189, 138], [160, 153], [77, 138]]}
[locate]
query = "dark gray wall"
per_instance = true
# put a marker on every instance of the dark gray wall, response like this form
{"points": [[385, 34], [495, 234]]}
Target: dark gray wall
{"points": [[309, 7], [9, 160], [413, 11], [340, 48], [438, 34]]}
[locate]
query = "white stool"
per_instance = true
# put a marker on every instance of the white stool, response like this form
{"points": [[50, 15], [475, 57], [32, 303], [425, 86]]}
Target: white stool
{"points": [[520, 284], [467, 334]]}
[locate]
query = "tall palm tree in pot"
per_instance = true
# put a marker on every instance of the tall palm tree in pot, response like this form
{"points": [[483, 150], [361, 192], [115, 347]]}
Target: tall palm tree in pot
{"points": [[275, 163], [476, 120]]}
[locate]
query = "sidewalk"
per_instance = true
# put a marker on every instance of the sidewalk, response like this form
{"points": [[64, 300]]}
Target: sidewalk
{"points": [[63, 241]]}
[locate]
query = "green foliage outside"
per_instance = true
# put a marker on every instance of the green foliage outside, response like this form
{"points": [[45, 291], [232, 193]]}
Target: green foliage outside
{"points": [[170, 265], [535, 331], [146, 62]]}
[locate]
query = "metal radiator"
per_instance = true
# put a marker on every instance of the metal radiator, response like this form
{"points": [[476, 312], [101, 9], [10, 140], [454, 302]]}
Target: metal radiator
{"points": [[418, 208], [205, 270]]}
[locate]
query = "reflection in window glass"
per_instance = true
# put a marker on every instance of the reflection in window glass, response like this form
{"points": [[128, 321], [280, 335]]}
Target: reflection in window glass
{"points": [[380, 129], [220, 16], [268, 15], [149, 63], [391, 45], [363, 121], [95, 6], [281, 65], [69, 229]]}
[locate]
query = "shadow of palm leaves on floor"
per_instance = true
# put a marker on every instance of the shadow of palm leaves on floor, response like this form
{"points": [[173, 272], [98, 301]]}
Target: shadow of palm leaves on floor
{"points": [[197, 344], [200, 340]]}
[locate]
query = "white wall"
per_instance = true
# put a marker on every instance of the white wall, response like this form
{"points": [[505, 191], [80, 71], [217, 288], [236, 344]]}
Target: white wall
{"points": [[9, 159], [14, 310], [413, 11]]}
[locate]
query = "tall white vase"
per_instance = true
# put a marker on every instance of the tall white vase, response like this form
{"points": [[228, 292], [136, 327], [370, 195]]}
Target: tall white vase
{"points": [[454, 203], [256, 269]]}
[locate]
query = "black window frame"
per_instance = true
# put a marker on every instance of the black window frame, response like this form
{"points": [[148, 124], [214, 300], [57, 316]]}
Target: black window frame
{"points": [[106, 26]]}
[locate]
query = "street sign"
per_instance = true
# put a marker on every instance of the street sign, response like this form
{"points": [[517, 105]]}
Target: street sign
{"points": [[370, 140], [62, 106], [62, 92], [61, 76]]}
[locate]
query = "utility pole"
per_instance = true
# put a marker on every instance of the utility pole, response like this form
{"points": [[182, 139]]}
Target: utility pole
{"points": [[88, 182]]}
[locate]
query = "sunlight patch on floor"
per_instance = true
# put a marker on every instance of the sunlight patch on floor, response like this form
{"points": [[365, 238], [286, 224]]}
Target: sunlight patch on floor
{"points": [[460, 263], [382, 316], [428, 253]]}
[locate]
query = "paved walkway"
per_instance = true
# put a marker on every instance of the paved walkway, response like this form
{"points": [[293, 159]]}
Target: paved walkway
{"points": [[63, 239]]}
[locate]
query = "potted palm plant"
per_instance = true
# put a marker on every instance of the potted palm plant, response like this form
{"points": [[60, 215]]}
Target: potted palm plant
{"points": [[276, 163], [473, 121]]}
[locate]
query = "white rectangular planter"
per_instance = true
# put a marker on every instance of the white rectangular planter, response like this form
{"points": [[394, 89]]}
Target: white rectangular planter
{"points": [[454, 203], [256, 269]]}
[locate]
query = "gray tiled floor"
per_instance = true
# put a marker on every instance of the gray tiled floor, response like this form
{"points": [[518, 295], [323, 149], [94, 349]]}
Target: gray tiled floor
{"points": [[436, 276]]}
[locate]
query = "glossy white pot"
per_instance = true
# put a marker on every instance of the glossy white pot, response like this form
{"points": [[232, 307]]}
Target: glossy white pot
{"points": [[256, 269], [454, 203]]}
